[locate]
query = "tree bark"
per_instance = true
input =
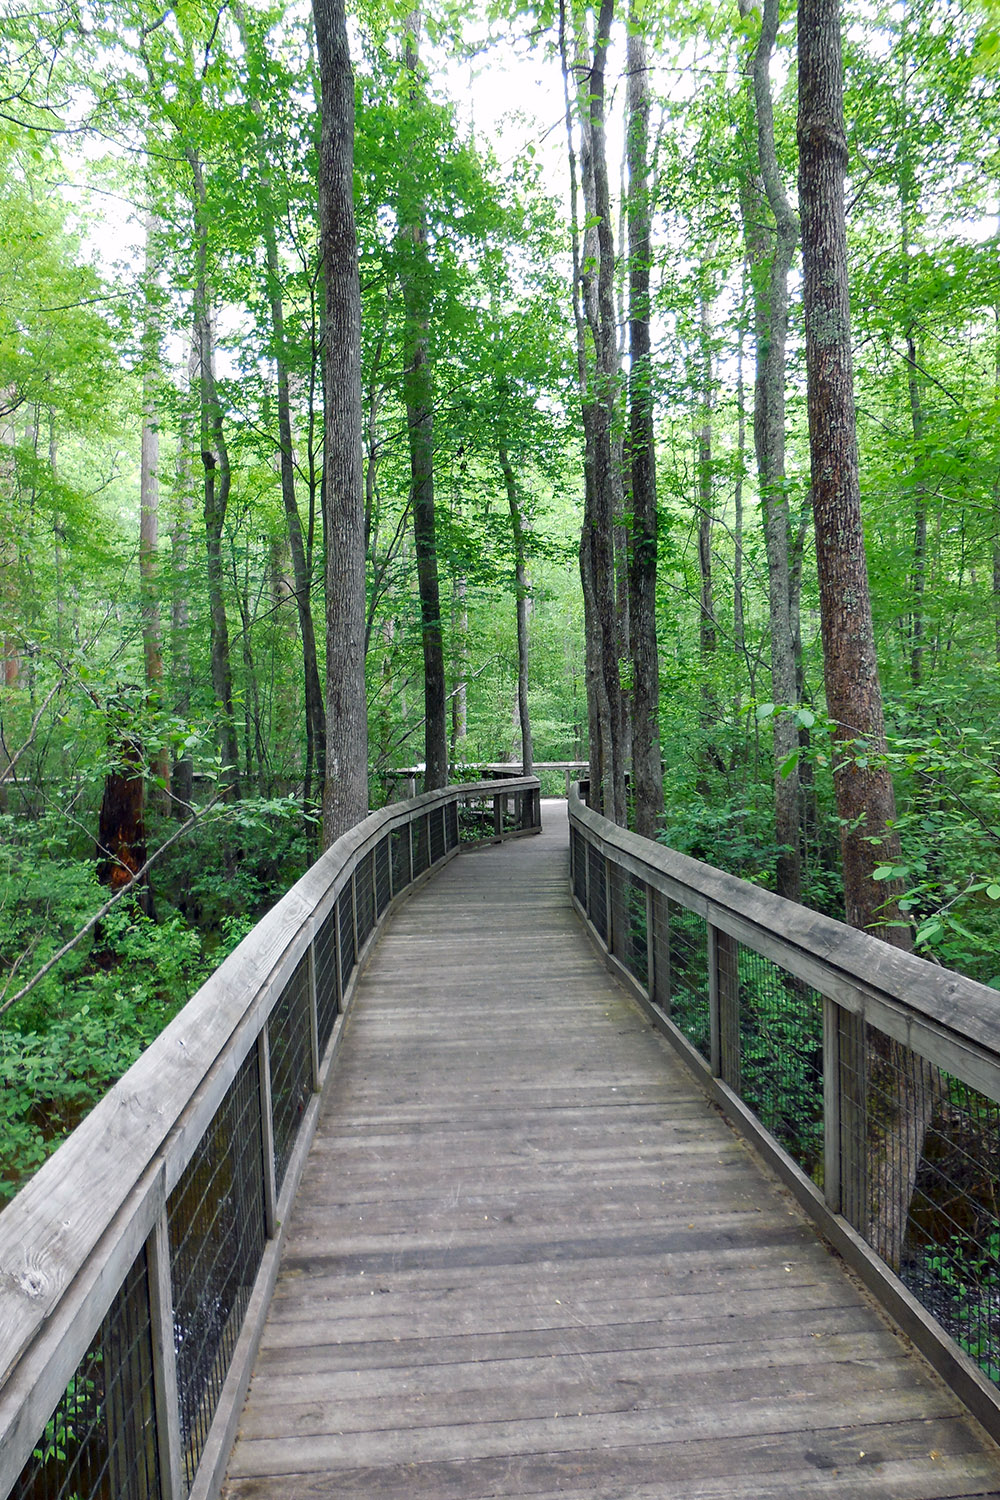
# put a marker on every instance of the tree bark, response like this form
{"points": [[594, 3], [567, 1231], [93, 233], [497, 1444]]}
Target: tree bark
{"points": [[522, 594], [419, 388], [217, 482], [598, 387], [149, 513], [182, 777], [769, 268], [315, 724], [900, 1087], [345, 792], [647, 765]]}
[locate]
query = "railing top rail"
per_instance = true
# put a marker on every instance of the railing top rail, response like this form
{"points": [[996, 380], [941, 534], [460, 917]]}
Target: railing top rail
{"points": [[914, 1001], [137, 1140]]}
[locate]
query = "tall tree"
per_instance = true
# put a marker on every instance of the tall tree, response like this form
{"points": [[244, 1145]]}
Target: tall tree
{"points": [[345, 793], [315, 725], [901, 1088], [647, 767], [597, 359], [770, 249], [419, 387], [217, 475]]}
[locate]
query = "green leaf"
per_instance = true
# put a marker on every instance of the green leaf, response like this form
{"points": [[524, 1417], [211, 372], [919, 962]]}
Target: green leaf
{"points": [[993, 891], [764, 711], [805, 717], [788, 765]]}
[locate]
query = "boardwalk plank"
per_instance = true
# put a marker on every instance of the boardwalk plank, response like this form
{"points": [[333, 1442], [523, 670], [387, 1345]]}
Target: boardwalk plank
{"points": [[529, 1259]]}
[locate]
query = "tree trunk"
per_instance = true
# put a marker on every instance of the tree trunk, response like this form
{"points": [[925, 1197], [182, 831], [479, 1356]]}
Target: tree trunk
{"points": [[218, 478], [315, 724], [121, 832], [647, 766], [769, 270], [460, 648], [182, 775], [149, 512], [522, 592], [900, 1087], [419, 389], [345, 792], [597, 315]]}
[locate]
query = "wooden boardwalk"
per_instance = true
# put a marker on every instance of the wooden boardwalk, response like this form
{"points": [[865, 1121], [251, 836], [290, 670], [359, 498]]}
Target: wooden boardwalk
{"points": [[529, 1259]]}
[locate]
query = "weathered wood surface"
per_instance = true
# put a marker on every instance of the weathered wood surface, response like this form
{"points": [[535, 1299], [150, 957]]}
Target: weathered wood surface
{"points": [[528, 1258]]}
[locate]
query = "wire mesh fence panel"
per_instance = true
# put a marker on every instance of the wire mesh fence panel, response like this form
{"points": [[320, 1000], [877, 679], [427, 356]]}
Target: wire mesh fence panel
{"points": [[633, 928], [579, 866], [364, 897], [401, 872], [475, 820], [660, 955], [781, 1056], [100, 1443], [326, 978], [615, 897], [951, 1252], [688, 967], [383, 892], [597, 909], [291, 1065], [438, 845], [920, 1168], [216, 1221], [345, 914], [421, 845]]}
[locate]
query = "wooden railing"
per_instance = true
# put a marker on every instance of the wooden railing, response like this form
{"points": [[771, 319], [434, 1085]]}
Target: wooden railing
{"points": [[868, 1077], [405, 778], [137, 1265]]}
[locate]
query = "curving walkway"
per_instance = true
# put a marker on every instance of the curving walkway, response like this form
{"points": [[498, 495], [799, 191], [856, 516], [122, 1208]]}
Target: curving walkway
{"points": [[529, 1259]]}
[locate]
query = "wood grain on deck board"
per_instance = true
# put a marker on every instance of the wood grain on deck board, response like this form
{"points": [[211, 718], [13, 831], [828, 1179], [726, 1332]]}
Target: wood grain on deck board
{"points": [[529, 1259]]}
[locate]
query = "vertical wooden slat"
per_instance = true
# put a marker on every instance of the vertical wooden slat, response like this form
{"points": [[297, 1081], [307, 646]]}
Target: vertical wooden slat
{"points": [[715, 1019], [609, 921], [161, 1299], [338, 970], [660, 928], [313, 1007], [726, 958], [267, 1134], [831, 1104], [852, 1070]]}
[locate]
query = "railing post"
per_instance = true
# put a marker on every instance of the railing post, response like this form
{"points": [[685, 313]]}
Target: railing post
{"points": [[498, 801], [409, 845], [728, 985], [161, 1299], [313, 1007], [831, 1104], [267, 1134], [354, 909], [586, 874], [659, 934], [846, 1072], [338, 965], [609, 921]]}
